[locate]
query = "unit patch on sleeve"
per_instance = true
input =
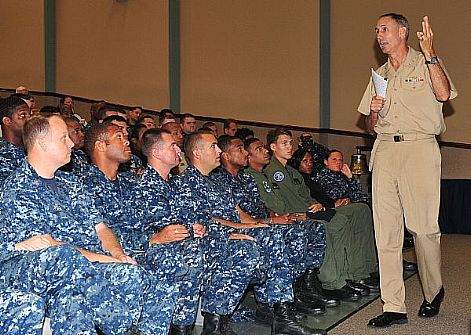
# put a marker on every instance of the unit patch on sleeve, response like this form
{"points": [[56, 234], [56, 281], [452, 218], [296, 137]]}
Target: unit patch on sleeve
{"points": [[278, 176]]}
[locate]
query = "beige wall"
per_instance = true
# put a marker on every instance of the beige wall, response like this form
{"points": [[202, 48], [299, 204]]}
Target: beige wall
{"points": [[252, 60], [114, 50], [354, 52], [22, 38], [248, 59]]}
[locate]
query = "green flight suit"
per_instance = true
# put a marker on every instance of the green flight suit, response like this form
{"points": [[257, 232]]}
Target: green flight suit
{"points": [[350, 248]]}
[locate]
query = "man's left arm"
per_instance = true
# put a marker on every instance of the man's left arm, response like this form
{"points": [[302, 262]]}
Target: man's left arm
{"points": [[440, 83]]}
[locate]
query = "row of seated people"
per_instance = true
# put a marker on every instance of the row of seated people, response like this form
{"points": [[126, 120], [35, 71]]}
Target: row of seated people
{"points": [[135, 252]]}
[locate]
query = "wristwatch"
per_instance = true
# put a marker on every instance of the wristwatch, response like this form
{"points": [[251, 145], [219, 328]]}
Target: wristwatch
{"points": [[433, 60]]}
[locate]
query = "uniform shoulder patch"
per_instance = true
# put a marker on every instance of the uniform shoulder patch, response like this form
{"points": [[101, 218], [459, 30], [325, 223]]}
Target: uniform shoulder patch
{"points": [[278, 176]]}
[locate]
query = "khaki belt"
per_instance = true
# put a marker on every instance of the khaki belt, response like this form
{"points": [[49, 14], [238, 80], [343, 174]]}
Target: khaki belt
{"points": [[404, 137]]}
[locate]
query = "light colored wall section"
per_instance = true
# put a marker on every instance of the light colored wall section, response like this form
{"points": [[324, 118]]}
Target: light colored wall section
{"points": [[114, 50], [354, 52], [252, 60], [22, 36]]}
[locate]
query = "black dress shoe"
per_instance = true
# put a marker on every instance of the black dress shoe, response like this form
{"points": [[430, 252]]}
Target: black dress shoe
{"points": [[327, 301], [429, 309], [371, 283], [409, 266], [387, 319], [313, 292], [284, 324], [362, 289], [307, 306], [344, 293]]}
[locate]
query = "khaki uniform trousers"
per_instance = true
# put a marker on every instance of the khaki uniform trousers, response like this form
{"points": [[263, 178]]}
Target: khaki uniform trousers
{"points": [[406, 184]]}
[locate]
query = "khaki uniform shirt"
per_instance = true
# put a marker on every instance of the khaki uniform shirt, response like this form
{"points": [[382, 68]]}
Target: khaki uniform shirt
{"points": [[291, 186], [410, 104]]}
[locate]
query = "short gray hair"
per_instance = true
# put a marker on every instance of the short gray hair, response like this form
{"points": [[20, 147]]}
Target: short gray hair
{"points": [[401, 20]]}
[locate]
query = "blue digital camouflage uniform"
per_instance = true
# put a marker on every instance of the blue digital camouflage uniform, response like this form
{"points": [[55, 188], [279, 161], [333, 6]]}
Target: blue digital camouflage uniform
{"points": [[338, 186], [231, 263], [301, 253], [21, 313], [311, 233], [71, 289], [11, 157], [156, 208], [30, 207], [79, 162], [115, 201], [133, 167]]}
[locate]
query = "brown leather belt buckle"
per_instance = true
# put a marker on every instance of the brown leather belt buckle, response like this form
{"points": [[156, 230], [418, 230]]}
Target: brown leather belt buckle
{"points": [[398, 138]]}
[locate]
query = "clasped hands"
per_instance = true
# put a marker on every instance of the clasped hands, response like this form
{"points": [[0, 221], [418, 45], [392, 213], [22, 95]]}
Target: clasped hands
{"points": [[177, 232]]}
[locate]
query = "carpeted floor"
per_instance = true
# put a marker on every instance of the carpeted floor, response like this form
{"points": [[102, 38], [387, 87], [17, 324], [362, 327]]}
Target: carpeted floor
{"points": [[455, 314]]}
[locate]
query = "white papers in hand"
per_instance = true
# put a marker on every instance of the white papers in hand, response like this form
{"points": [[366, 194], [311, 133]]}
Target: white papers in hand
{"points": [[380, 83]]}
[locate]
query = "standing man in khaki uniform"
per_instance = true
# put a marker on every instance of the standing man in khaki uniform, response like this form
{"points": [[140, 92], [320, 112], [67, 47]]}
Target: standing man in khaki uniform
{"points": [[406, 163]]}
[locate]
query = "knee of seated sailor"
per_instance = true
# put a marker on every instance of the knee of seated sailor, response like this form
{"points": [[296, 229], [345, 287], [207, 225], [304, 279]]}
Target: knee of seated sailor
{"points": [[117, 272], [338, 223], [244, 252], [360, 206], [274, 234], [63, 251], [165, 259], [66, 254]]}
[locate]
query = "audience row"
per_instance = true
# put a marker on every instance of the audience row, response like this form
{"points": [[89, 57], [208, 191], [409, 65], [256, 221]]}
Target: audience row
{"points": [[127, 226]]}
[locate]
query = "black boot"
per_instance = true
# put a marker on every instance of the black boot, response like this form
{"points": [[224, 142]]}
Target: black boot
{"points": [[180, 330], [215, 324], [224, 325], [283, 323], [326, 300], [264, 314], [310, 288], [308, 305], [310, 280]]}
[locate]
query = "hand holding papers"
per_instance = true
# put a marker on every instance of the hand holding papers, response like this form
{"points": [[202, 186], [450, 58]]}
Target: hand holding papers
{"points": [[380, 84], [379, 102]]}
